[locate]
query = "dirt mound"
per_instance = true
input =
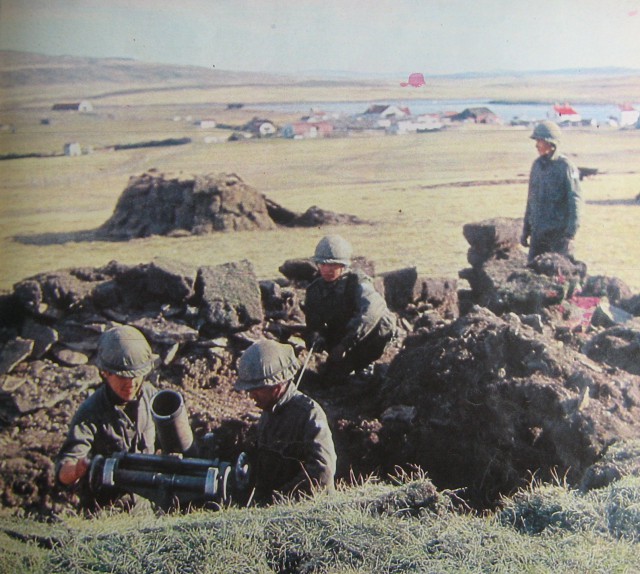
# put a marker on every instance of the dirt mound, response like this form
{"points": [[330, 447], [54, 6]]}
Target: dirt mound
{"points": [[154, 204], [479, 396], [491, 400]]}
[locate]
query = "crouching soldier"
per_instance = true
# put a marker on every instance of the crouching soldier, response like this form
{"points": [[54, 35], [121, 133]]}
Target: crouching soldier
{"points": [[116, 417], [294, 453], [345, 315]]}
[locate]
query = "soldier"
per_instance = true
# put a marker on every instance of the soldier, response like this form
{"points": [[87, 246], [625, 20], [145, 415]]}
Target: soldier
{"points": [[294, 453], [345, 315], [116, 417], [552, 215]]}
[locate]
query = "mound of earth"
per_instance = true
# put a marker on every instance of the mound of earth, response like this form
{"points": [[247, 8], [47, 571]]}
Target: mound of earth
{"points": [[153, 204], [487, 400], [480, 396]]}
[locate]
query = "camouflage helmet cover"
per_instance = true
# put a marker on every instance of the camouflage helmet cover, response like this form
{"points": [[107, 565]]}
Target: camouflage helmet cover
{"points": [[124, 351], [266, 363], [333, 249]]}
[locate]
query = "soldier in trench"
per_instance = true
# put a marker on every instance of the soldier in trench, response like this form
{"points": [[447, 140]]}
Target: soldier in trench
{"points": [[552, 215], [345, 315], [116, 417], [294, 454]]}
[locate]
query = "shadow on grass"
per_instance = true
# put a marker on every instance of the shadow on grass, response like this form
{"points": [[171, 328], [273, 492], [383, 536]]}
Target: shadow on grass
{"points": [[63, 237], [610, 202]]}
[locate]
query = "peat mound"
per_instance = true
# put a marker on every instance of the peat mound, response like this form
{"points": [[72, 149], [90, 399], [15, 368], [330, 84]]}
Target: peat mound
{"points": [[155, 204]]}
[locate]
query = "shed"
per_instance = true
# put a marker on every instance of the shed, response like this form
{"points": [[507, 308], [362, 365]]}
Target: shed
{"points": [[83, 106], [72, 149]]}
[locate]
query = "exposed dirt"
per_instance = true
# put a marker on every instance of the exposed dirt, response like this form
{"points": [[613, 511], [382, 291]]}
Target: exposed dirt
{"points": [[481, 389]]}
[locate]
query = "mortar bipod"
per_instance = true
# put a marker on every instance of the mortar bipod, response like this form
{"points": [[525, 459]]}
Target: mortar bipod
{"points": [[159, 476]]}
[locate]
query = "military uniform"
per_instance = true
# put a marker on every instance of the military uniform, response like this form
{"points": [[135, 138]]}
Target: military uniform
{"points": [[104, 426], [552, 216], [348, 312], [295, 451]]}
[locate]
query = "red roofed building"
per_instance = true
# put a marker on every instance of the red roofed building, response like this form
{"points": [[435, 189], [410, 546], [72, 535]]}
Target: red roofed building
{"points": [[628, 115], [563, 113]]}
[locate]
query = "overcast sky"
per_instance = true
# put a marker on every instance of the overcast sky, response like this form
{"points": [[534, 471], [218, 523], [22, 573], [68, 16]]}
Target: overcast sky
{"points": [[379, 36]]}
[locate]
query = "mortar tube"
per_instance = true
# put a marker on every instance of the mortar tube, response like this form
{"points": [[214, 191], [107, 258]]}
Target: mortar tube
{"points": [[172, 422]]}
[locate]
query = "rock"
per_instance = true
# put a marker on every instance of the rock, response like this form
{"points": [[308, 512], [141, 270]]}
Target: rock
{"points": [[13, 352], [69, 357], [42, 335], [61, 290], [508, 285], [618, 346], [494, 234], [299, 270], [400, 288], [166, 332], [399, 413], [28, 396], [607, 315], [616, 290], [559, 267], [317, 217], [490, 237], [230, 297], [159, 282]]}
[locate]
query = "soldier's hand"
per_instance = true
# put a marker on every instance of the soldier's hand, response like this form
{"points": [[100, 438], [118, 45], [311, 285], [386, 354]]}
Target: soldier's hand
{"points": [[72, 472], [524, 240]]}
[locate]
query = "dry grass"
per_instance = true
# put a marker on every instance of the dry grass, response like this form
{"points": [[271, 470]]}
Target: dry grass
{"points": [[417, 190]]}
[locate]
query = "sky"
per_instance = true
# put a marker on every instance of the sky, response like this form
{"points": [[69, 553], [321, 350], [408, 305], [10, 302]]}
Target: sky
{"points": [[354, 36]]}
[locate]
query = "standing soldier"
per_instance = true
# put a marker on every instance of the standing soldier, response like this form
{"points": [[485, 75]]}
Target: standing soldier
{"points": [[552, 215], [345, 315], [116, 417], [294, 452]]}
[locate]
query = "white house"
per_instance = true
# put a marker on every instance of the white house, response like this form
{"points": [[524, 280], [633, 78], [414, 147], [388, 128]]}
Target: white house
{"points": [[207, 124], [628, 115], [562, 113], [72, 149]]}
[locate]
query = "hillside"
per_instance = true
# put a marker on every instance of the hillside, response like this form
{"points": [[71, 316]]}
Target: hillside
{"points": [[24, 77]]}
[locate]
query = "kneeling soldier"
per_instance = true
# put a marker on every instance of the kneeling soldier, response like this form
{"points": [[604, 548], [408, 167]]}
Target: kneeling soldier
{"points": [[116, 417], [294, 453], [345, 315]]}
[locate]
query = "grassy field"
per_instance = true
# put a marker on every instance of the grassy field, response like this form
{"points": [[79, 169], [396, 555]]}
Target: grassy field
{"points": [[371, 528], [416, 190]]}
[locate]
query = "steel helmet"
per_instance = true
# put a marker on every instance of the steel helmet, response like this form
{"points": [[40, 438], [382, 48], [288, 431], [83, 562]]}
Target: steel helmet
{"points": [[266, 363], [547, 131], [124, 351], [333, 249]]}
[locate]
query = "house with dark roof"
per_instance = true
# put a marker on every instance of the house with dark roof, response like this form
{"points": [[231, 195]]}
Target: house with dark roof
{"points": [[477, 116], [387, 111]]}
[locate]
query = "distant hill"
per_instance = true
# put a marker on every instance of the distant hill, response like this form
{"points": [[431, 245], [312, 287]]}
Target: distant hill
{"points": [[25, 69]]}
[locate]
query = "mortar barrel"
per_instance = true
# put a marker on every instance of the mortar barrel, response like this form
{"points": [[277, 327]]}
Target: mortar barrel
{"points": [[172, 421]]}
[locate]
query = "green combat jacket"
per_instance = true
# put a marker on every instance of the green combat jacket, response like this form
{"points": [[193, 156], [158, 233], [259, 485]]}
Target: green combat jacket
{"points": [[102, 427], [294, 452], [346, 310], [553, 202]]}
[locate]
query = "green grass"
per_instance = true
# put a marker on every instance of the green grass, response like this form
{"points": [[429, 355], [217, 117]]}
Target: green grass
{"points": [[372, 527], [417, 190]]}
